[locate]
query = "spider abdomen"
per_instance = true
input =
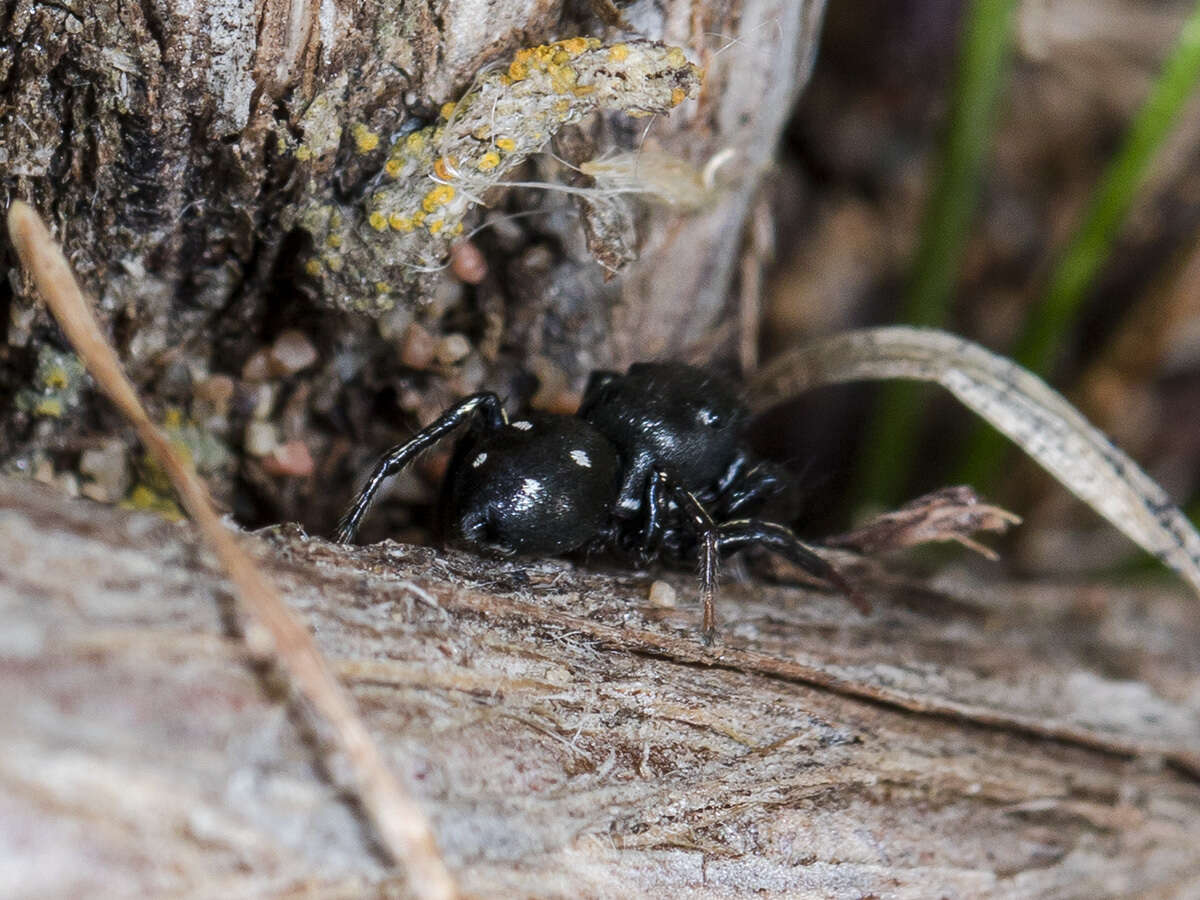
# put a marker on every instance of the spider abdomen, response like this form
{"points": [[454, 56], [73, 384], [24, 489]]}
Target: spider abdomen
{"points": [[541, 485]]}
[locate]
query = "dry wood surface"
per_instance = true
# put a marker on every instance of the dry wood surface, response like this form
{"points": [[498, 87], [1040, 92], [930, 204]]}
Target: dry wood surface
{"points": [[567, 736]]}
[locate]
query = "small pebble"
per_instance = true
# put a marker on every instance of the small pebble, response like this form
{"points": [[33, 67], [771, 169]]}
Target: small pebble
{"points": [[393, 324], [662, 595], [262, 400], [215, 392], [291, 459], [43, 471], [261, 438], [106, 467], [257, 367], [291, 352], [452, 348], [468, 263], [417, 347]]}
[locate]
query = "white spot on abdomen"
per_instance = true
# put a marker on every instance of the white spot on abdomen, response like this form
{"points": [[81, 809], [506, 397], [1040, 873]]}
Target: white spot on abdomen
{"points": [[479, 460], [581, 458], [522, 425], [531, 489]]}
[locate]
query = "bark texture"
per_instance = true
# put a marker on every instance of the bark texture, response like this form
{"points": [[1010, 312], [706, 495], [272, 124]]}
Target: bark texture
{"points": [[160, 138], [568, 737]]}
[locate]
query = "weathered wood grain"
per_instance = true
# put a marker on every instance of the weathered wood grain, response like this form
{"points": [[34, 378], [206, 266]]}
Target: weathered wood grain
{"points": [[567, 738]]}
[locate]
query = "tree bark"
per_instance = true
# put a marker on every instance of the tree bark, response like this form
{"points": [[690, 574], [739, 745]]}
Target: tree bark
{"points": [[161, 139], [568, 737]]}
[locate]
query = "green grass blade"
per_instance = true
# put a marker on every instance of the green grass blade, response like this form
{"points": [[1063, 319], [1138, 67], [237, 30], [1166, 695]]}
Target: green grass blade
{"points": [[892, 435], [1091, 246]]}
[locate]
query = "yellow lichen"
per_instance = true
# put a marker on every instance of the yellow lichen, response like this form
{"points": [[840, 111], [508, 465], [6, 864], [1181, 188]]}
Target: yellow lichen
{"points": [[146, 499], [313, 267], [304, 153], [399, 222], [678, 95], [378, 221], [334, 241], [582, 90], [442, 167], [51, 407], [562, 79], [447, 110], [393, 167], [518, 69], [618, 52], [334, 263], [439, 196], [415, 142], [381, 287], [364, 138], [508, 145], [173, 418], [57, 378], [675, 57], [142, 497], [435, 226], [488, 161]]}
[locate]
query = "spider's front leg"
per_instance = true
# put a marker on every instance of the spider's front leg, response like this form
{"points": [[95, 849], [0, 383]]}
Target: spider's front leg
{"points": [[743, 533], [747, 486], [484, 404], [715, 540], [697, 520]]}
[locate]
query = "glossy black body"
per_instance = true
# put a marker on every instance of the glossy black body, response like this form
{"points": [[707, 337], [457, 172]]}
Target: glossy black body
{"points": [[668, 415], [544, 489], [652, 465]]}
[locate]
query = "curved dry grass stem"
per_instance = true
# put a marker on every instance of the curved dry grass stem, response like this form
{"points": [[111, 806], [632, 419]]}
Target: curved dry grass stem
{"points": [[274, 631], [1019, 404]]}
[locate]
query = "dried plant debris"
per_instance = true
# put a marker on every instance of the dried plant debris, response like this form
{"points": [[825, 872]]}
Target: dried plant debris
{"points": [[365, 254], [949, 514], [1019, 404], [656, 175]]}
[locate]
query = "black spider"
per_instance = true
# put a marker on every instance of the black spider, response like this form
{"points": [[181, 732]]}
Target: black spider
{"points": [[652, 464]]}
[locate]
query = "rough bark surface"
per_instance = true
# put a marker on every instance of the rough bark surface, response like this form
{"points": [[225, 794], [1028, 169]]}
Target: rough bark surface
{"points": [[567, 737], [159, 138]]}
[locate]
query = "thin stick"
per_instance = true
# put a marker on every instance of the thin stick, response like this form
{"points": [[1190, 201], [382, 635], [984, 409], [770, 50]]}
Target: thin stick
{"points": [[275, 631]]}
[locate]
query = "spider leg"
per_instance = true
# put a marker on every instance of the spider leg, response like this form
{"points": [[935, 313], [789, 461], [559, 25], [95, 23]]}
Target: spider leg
{"points": [[697, 520], [486, 404], [742, 533], [747, 485], [651, 538]]}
